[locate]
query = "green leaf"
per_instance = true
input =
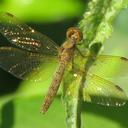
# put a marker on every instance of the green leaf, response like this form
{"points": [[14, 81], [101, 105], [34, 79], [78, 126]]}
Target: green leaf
{"points": [[24, 112], [43, 10], [98, 19]]}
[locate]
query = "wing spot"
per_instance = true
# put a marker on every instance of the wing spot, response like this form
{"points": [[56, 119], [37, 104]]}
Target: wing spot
{"points": [[120, 89], [14, 40], [9, 14], [123, 58]]}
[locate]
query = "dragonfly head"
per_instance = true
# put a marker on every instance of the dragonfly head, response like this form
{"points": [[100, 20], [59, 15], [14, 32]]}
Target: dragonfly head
{"points": [[74, 33]]}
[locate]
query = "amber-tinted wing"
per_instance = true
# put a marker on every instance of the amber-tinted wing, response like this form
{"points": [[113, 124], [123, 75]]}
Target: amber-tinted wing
{"points": [[25, 37], [101, 91], [107, 66], [22, 63], [34, 53]]}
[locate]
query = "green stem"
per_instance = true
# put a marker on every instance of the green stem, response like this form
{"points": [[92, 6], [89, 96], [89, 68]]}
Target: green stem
{"points": [[73, 102], [96, 27]]}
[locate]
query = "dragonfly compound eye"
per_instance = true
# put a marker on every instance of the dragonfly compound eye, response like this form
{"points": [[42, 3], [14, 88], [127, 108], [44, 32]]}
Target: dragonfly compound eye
{"points": [[74, 32]]}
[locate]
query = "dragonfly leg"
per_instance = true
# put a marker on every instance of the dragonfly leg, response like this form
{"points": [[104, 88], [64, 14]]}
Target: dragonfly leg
{"points": [[84, 53], [73, 63]]}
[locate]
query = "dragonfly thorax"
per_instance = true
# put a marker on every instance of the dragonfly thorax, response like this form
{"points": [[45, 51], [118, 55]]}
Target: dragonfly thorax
{"points": [[67, 49], [74, 36]]}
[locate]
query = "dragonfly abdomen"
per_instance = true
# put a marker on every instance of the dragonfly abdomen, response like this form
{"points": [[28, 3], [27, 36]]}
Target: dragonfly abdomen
{"points": [[53, 87]]}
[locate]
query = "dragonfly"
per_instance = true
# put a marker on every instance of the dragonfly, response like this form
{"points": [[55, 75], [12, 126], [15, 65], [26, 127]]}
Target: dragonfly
{"points": [[30, 51]]}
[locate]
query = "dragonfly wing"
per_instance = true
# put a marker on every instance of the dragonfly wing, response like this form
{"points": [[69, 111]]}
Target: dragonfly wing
{"points": [[108, 66], [24, 64], [24, 36], [101, 91]]}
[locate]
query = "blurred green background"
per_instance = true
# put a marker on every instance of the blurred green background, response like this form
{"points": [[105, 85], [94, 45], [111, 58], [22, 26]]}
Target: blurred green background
{"points": [[53, 17]]}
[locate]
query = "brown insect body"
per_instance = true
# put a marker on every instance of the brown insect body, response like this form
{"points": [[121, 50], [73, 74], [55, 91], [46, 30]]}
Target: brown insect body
{"points": [[29, 49], [66, 53]]}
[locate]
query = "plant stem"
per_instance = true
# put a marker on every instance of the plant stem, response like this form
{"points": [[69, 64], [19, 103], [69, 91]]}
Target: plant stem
{"points": [[96, 27]]}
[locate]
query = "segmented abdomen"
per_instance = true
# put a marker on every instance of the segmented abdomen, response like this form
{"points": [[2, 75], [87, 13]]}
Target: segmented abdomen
{"points": [[53, 87]]}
